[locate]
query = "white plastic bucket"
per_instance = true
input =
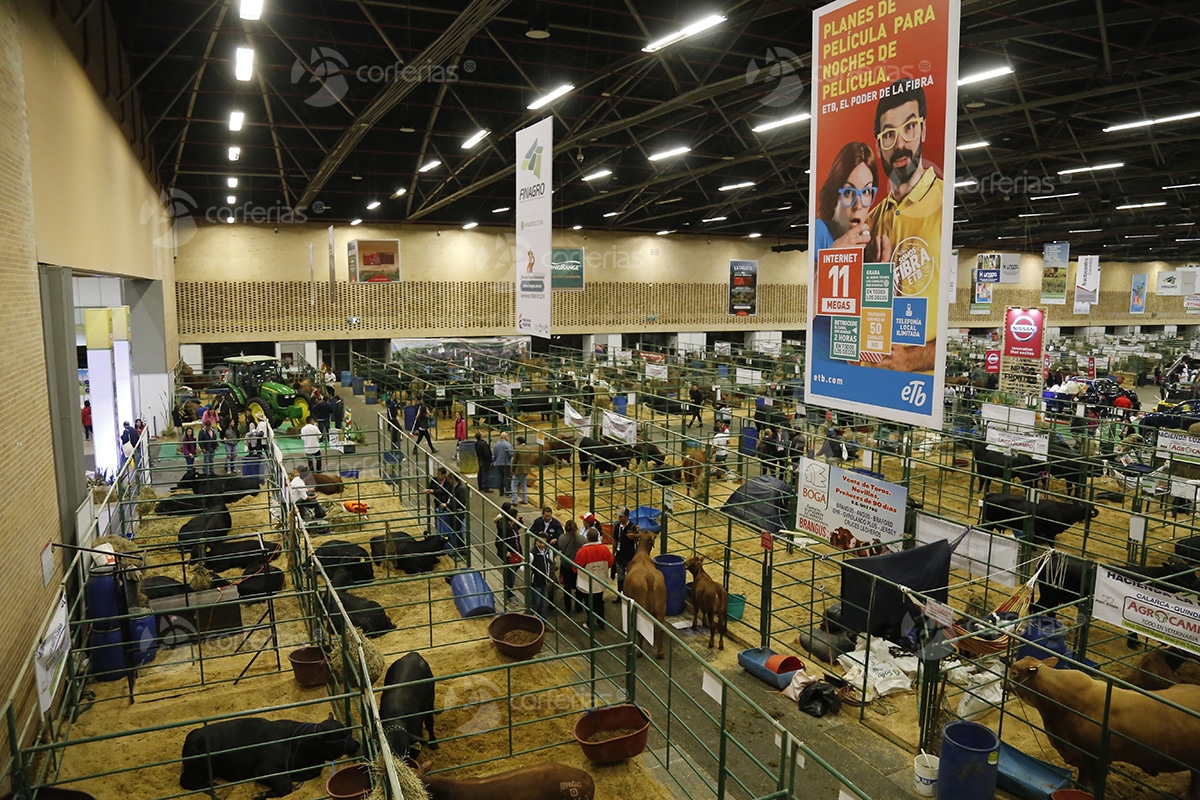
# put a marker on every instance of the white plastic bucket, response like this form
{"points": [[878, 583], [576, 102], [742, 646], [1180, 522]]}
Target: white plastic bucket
{"points": [[925, 772]]}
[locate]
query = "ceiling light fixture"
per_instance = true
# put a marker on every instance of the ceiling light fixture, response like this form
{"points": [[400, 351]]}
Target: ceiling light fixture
{"points": [[244, 64], [229, 220], [236, 118], [550, 97], [501, 209], [1141, 236], [734, 186], [974, 145], [356, 221], [231, 183], [1187, 240], [1077, 170], [779, 123], [431, 165], [374, 204], [678, 36], [235, 153], [966, 80], [470, 225], [613, 214], [674, 151], [715, 219], [1144, 123], [230, 199], [251, 9], [1130, 206], [399, 192], [967, 182], [753, 235], [1053, 196], [662, 233], [602, 173], [1039, 214], [1181, 186], [478, 137], [1087, 230], [576, 227]]}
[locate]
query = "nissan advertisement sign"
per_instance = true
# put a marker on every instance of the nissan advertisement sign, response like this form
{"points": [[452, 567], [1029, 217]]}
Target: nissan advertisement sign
{"points": [[1023, 328], [991, 362]]}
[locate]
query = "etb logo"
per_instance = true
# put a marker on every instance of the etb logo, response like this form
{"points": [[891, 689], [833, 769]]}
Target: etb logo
{"points": [[1023, 328], [914, 394]]}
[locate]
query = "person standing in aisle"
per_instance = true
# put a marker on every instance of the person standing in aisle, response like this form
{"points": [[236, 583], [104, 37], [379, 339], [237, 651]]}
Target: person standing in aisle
{"points": [[322, 410], [508, 547], [337, 410], [568, 547], [229, 437], [697, 398], [256, 446], [187, 446], [310, 437], [460, 501], [207, 439], [460, 433], [85, 415], [624, 548], [541, 561], [720, 442], [483, 454], [595, 562], [546, 528], [502, 457], [523, 462], [766, 451], [421, 427], [393, 416]]}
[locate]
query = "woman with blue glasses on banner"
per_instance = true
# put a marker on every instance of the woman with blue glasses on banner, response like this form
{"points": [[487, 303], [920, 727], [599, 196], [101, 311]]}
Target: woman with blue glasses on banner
{"points": [[845, 197]]}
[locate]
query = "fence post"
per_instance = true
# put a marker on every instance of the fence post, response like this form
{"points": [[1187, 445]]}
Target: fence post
{"points": [[928, 696], [764, 622]]}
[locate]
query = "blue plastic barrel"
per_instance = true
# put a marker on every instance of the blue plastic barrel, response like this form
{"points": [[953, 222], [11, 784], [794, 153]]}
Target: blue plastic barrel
{"points": [[748, 442], [347, 377], [356, 385], [100, 593], [722, 370], [671, 566], [107, 652], [410, 416], [370, 394], [144, 630], [620, 403], [969, 762], [472, 595]]}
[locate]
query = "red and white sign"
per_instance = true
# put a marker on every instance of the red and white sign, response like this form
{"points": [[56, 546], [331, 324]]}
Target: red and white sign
{"points": [[1023, 328], [1091, 366], [839, 281], [1046, 366], [991, 361], [767, 541]]}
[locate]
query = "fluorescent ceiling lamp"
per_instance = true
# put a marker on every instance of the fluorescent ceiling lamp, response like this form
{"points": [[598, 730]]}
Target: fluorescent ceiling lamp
{"points": [[1039, 214], [231, 183], [470, 225], [1077, 170], [356, 221], [715, 219], [235, 153], [1129, 206], [551, 97], [501, 209], [1183, 224], [374, 204], [784, 208], [678, 36], [733, 186], [231, 199], [1143, 123], [1053, 196], [251, 9], [973, 145], [779, 123], [674, 151], [399, 192], [431, 165], [983, 76], [662, 233], [1181, 186], [1087, 230], [236, 118], [1187, 240], [967, 182], [1141, 236], [1009, 237], [478, 137], [576, 227], [602, 173], [798, 225], [244, 63], [229, 220], [613, 214], [753, 235]]}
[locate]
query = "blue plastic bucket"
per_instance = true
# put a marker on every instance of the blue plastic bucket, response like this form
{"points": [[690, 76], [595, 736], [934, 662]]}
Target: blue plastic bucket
{"points": [[472, 595], [347, 377], [671, 566], [970, 761], [144, 644], [107, 652], [736, 606]]}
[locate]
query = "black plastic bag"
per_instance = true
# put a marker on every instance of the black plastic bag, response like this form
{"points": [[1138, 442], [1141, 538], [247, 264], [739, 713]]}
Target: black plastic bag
{"points": [[819, 699]]}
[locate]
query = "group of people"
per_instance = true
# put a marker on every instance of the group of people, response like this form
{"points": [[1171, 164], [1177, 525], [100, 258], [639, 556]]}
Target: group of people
{"points": [[513, 465], [213, 432]]}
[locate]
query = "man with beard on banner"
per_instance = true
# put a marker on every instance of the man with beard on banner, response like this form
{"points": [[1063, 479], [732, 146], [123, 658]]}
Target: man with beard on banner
{"points": [[907, 223]]}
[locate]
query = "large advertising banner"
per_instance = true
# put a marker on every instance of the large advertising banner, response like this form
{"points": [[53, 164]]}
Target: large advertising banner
{"points": [[1087, 280], [884, 102], [1055, 259], [1021, 356], [1168, 284], [535, 181], [841, 506], [373, 260], [567, 266], [1166, 617], [743, 288], [1137, 294]]}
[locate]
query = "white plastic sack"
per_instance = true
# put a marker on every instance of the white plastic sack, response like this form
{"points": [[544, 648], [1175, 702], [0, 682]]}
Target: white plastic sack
{"points": [[985, 694], [800, 679]]}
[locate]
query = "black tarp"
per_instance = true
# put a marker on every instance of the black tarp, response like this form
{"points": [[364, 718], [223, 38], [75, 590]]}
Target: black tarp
{"points": [[765, 503], [923, 569]]}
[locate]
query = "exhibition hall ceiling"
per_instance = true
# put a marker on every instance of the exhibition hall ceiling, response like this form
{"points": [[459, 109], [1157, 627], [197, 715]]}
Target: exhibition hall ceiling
{"points": [[344, 102]]}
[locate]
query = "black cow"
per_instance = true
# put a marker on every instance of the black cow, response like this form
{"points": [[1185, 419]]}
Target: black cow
{"points": [[277, 753], [181, 506], [260, 581], [652, 453], [990, 465], [413, 556], [231, 487], [339, 553], [365, 614], [214, 523], [156, 587], [1066, 463], [1050, 517], [405, 708], [562, 449], [222, 554], [605, 456]]}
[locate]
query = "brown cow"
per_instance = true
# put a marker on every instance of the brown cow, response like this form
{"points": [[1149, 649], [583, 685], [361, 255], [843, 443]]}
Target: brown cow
{"points": [[708, 598], [644, 583], [693, 468], [844, 539], [1143, 731], [545, 781], [1159, 669], [327, 484]]}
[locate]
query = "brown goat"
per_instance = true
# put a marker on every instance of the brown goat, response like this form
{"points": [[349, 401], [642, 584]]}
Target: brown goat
{"points": [[644, 583], [708, 598]]}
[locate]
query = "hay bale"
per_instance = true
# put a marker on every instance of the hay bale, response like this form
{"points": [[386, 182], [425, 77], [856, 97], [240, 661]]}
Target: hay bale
{"points": [[1194, 429], [411, 786], [371, 653], [200, 579]]}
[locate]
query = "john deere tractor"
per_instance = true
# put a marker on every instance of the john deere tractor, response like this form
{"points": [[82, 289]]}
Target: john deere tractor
{"points": [[257, 385]]}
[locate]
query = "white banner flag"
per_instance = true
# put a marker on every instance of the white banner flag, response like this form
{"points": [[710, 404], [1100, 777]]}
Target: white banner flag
{"points": [[616, 426], [1161, 615], [535, 154], [574, 419], [1087, 280], [656, 371]]}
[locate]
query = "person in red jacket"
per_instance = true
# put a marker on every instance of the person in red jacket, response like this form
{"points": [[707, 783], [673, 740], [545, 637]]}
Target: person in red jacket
{"points": [[595, 562], [86, 415], [460, 433]]}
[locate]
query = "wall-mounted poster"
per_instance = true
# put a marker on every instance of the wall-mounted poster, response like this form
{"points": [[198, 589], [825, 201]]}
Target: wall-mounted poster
{"points": [[373, 260], [1055, 258], [743, 288], [1168, 284], [884, 101], [566, 264], [984, 278], [1137, 295]]}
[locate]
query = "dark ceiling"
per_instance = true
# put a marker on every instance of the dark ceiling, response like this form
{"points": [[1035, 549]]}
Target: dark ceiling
{"points": [[328, 126]]}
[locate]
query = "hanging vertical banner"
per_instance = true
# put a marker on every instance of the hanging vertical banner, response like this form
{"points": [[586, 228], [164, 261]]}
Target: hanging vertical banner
{"points": [[1137, 295], [535, 154], [1055, 256], [882, 164], [1021, 356], [984, 278], [1010, 267], [743, 288], [332, 267], [312, 277], [1087, 280]]}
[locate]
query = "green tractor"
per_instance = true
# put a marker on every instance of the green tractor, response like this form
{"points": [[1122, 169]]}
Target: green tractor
{"points": [[257, 385]]}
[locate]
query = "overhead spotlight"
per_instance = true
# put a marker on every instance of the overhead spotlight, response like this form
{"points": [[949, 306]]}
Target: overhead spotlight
{"points": [[680, 35], [231, 183], [734, 186], [475, 139], [613, 214], [967, 182], [966, 80], [779, 123], [374, 204], [229, 220], [662, 233], [973, 145], [236, 118], [243, 68], [550, 97], [576, 227], [753, 235], [231, 199], [235, 153], [501, 209], [1077, 170], [539, 23], [470, 225], [356, 221], [251, 9], [399, 192], [430, 165], [602, 173], [674, 151], [715, 219]]}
